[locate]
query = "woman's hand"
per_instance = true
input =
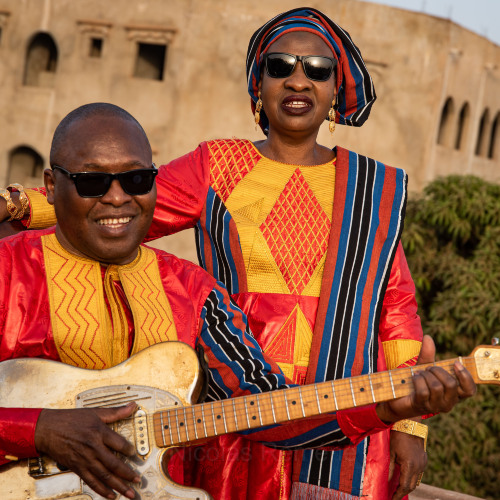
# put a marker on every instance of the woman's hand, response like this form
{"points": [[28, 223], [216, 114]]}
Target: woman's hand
{"points": [[409, 456], [435, 390]]}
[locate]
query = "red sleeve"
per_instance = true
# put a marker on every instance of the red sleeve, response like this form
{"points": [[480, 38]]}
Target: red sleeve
{"points": [[182, 187], [17, 432], [17, 425], [399, 318]]}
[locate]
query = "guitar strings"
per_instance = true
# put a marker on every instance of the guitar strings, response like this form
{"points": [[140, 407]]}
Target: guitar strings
{"points": [[304, 390], [342, 391]]}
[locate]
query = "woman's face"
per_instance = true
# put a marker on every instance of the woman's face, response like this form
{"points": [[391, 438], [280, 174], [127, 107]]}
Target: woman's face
{"points": [[295, 103]]}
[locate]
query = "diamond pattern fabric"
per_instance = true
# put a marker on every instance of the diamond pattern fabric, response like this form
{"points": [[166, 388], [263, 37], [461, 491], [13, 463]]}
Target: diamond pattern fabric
{"points": [[297, 230], [230, 161]]}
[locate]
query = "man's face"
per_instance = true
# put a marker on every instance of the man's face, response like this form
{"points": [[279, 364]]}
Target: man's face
{"points": [[110, 228]]}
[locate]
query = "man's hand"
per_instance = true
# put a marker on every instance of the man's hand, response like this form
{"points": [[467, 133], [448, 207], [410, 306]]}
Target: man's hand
{"points": [[80, 440], [435, 390], [408, 453]]}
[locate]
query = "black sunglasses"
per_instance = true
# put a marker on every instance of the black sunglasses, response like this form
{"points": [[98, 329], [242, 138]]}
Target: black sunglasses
{"points": [[96, 184], [281, 65]]}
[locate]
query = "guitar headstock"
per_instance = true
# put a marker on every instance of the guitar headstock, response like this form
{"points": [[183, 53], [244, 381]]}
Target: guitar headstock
{"points": [[487, 360]]}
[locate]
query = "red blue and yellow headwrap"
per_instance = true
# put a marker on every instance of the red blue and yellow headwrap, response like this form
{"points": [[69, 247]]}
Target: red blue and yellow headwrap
{"points": [[355, 91]]}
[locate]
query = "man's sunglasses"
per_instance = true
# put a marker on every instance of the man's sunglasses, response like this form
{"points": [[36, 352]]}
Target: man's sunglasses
{"points": [[96, 184], [281, 65]]}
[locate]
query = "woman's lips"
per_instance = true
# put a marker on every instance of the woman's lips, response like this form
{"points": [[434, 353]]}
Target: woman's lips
{"points": [[296, 105]]}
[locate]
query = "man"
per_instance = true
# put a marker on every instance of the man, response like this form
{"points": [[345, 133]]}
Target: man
{"points": [[87, 294]]}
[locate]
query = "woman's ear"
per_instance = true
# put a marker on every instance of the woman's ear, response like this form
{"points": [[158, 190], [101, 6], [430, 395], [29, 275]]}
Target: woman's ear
{"points": [[49, 181]]}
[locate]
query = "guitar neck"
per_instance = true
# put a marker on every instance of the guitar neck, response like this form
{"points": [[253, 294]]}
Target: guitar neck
{"points": [[182, 425]]}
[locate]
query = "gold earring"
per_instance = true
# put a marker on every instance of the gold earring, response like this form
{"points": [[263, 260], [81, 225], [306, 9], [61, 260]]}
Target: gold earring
{"points": [[258, 107], [331, 118]]}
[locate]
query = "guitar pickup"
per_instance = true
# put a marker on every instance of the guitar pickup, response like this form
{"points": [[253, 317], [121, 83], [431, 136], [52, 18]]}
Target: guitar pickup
{"points": [[141, 432]]}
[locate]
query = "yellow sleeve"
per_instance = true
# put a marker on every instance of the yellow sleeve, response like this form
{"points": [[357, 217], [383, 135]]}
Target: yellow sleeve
{"points": [[42, 214], [401, 351]]}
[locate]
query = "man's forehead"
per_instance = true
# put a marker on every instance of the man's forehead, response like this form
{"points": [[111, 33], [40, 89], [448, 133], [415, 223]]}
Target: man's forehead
{"points": [[91, 138]]}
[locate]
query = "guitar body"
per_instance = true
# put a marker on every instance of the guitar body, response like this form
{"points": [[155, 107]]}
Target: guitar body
{"points": [[166, 375], [164, 380]]}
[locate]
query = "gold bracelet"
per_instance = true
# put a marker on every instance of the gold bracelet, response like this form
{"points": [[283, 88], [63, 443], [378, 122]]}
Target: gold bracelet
{"points": [[413, 428], [22, 198], [11, 206]]}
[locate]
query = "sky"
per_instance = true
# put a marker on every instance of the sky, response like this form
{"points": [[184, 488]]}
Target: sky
{"points": [[481, 16]]}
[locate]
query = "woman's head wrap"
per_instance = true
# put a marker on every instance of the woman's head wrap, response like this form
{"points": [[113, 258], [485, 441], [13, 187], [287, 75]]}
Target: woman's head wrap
{"points": [[355, 91]]}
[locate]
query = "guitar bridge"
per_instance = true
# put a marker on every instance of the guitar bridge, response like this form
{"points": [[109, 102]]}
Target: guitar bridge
{"points": [[43, 467]]}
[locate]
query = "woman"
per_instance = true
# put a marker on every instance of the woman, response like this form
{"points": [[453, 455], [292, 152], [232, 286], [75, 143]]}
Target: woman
{"points": [[306, 239]]}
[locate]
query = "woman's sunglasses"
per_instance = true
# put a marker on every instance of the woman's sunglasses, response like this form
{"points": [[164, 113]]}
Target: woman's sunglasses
{"points": [[281, 65], [96, 184]]}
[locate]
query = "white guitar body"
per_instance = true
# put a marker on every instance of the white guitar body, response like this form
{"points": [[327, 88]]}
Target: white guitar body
{"points": [[165, 381], [160, 378]]}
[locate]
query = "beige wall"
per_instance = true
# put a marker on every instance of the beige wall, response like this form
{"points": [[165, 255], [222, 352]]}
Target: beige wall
{"points": [[417, 62]]}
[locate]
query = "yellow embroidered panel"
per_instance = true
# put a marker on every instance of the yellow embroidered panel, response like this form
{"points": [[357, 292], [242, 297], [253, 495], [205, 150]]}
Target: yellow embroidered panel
{"points": [[400, 351], [77, 310], [282, 212], [291, 346], [84, 333], [296, 231], [230, 161], [153, 318]]}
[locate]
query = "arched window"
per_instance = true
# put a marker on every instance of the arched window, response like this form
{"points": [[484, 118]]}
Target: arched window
{"points": [[41, 61], [446, 123], [462, 126], [495, 132], [25, 167], [482, 134]]}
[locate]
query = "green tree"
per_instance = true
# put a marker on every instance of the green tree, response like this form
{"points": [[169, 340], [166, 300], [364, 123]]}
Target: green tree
{"points": [[452, 242]]}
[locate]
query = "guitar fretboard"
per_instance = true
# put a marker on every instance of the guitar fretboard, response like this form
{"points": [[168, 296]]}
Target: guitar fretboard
{"points": [[182, 425]]}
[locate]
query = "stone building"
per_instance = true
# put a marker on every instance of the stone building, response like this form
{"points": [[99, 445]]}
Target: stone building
{"points": [[179, 67]]}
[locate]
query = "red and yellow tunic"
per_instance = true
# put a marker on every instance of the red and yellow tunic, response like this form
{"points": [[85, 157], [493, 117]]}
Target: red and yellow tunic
{"points": [[312, 256], [56, 305]]}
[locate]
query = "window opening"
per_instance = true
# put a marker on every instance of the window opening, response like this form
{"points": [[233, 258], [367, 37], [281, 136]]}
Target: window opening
{"points": [[150, 61], [25, 167], [495, 130], [482, 133], [41, 58], [446, 123], [463, 125], [95, 47]]}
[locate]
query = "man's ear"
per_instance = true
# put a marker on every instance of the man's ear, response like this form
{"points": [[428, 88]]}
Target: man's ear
{"points": [[49, 181]]}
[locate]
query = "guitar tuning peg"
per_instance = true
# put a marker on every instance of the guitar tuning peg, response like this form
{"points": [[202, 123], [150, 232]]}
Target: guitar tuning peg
{"points": [[495, 341]]}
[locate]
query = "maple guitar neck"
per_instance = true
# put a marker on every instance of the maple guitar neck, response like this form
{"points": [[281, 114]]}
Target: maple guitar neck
{"points": [[182, 425]]}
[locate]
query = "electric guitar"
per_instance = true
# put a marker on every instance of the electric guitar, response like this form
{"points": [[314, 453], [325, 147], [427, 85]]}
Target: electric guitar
{"points": [[164, 380]]}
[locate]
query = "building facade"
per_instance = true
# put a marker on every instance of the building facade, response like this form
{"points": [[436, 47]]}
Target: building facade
{"points": [[179, 67]]}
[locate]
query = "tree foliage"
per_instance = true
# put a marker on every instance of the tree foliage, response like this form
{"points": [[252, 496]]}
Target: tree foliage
{"points": [[452, 243]]}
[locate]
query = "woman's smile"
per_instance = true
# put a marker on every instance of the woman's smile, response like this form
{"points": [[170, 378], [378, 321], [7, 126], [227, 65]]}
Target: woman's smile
{"points": [[297, 104]]}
